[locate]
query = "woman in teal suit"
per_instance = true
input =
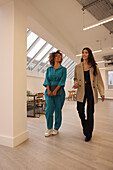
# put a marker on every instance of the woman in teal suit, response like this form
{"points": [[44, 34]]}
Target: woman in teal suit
{"points": [[54, 93]]}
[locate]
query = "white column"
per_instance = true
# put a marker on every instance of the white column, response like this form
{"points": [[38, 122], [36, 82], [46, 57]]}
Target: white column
{"points": [[13, 42]]}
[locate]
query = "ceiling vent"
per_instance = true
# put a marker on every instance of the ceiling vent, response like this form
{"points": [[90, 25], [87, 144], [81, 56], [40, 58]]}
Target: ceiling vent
{"points": [[108, 60]]}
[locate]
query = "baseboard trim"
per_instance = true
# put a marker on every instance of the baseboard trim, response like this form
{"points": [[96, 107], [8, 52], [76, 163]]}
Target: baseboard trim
{"points": [[17, 140], [107, 98], [14, 141]]}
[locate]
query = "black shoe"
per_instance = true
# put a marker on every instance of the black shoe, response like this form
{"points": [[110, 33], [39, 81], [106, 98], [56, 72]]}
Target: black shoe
{"points": [[87, 139]]}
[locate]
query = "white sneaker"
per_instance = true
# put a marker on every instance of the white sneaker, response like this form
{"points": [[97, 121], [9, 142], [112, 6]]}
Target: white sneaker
{"points": [[48, 132], [55, 132]]}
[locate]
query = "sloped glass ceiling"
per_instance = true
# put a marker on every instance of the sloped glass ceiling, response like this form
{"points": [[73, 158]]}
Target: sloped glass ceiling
{"points": [[38, 55]]}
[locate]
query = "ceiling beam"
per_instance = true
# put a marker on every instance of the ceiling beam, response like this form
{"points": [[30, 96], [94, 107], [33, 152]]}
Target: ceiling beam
{"points": [[71, 71], [71, 61], [35, 56], [43, 66], [33, 45], [64, 60], [28, 33], [38, 63], [73, 66], [70, 64], [91, 4]]}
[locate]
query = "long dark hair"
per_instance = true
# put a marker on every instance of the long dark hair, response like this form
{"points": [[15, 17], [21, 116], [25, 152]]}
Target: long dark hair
{"points": [[52, 56], [91, 60]]}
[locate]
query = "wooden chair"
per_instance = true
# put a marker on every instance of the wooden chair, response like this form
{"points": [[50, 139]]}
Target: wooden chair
{"points": [[40, 95], [72, 95], [40, 102]]}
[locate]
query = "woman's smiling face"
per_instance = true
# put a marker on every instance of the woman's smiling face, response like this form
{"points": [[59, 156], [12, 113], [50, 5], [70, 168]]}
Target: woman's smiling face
{"points": [[85, 54], [58, 58]]}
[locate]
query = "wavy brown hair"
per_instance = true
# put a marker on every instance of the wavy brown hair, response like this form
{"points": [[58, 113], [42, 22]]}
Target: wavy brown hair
{"points": [[91, 60], [52, 57]]}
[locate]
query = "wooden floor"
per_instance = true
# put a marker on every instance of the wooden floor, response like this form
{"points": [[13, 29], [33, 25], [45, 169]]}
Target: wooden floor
{"points": [[67, 150]]}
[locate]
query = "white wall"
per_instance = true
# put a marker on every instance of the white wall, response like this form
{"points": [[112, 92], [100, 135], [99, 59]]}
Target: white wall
{"points": [[104, 73], [6, 70], [13, 119], [35, 82]]}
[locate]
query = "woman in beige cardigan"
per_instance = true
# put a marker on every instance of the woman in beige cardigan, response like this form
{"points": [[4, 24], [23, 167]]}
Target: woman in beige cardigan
{"points": [[87, 79]]}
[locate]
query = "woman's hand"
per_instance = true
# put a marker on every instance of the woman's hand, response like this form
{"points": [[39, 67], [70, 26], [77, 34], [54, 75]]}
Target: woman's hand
{"points": [[49, 93], [75, 86], [103, 98], [54, 92]]}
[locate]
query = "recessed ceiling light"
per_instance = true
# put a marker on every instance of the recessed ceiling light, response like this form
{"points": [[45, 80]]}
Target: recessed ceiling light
{"points": [[97, 51], [100, 61], [99, 23]]}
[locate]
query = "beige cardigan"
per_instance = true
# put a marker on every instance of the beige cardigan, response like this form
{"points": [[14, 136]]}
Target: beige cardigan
{"points": [[96, 83]]}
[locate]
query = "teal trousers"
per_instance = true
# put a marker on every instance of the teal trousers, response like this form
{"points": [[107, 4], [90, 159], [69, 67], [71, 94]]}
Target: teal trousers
{"points": [[54, 103]]}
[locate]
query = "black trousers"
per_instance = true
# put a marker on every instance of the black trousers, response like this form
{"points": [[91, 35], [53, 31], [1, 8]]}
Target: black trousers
{"points": [[88, 123]]}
